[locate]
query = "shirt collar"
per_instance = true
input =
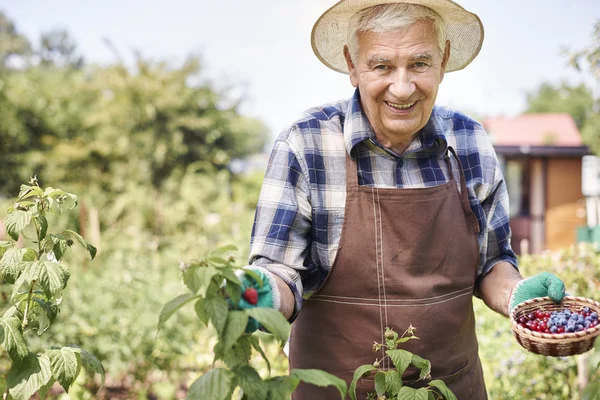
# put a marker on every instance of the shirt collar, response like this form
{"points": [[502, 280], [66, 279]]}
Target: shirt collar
{"points": [[357, 129]]}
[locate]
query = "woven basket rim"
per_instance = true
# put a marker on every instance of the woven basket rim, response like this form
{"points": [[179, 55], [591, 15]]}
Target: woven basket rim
{"points": [[563, 338]]}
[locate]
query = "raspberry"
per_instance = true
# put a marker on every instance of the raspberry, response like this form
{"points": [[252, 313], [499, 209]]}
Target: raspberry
{"points": [[251, 296]]}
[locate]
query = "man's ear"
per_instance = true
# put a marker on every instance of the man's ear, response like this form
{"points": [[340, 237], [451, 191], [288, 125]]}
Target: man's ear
{"points": [[351, 67], [445, 60]]}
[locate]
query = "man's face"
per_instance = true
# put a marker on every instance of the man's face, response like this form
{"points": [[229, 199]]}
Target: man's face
{"points": [[398, 74]]}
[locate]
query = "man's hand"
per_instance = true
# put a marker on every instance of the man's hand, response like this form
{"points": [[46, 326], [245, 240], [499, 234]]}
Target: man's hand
{"points": [[265, 295], [541, 285]]}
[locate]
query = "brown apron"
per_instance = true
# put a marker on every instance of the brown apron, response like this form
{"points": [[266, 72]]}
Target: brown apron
{"points": [[406, 256]]}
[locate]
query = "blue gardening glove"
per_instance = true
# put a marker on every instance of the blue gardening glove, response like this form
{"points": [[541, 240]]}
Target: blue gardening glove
{"points": [[256, 295], [541, 285]]}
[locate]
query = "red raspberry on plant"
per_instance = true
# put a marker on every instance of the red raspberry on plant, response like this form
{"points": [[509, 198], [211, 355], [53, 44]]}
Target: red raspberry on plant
{"points": [[251, 296]]}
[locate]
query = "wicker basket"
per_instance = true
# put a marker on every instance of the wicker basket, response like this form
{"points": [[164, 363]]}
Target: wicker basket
{"points": [[552, 344]]}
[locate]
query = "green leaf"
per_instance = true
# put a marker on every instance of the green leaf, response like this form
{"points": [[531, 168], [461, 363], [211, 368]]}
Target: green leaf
{"points": [[27, 191], [216, 261], [443, 389], [217, 310], [256, 345], [248, 379], [4, 245], [28, 376], [281, 387], [591, 392], [234, 292], [234, 327], [14, 342], [15, 221], [90, 249], [408, 393], [238, 355], [2, 384], [358, 374], [42, 224], [201, 311], [400, 358], [380, 386], [172, 306], [60, 195], [423, 364], [43, 391], [406, 339], [52, 278], [60, 244], [272, 320], [214, 385], [197, 278], [320, 378], [11, 265], [393, 382], [45, 314], [89, 361], [65, 365]]}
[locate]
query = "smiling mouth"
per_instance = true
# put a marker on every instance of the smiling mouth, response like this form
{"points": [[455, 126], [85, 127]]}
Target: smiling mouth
{"points": [[397, 106]]}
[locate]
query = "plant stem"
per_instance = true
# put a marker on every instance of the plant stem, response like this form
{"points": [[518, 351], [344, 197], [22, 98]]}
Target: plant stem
{"points": [[27, 305], [5, 394]]}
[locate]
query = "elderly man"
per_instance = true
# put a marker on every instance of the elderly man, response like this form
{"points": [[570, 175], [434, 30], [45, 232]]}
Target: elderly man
{"points": [[385, 210]]}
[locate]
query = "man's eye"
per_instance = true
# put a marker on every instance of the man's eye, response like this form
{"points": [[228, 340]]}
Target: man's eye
{"points": [[381, 67], [421, 66]]}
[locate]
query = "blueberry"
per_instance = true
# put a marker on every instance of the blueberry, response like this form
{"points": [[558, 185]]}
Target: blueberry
{"points": [[553, 329], [571, 328], [587, 323], [594, 315], [579, 327], [586, 309]]}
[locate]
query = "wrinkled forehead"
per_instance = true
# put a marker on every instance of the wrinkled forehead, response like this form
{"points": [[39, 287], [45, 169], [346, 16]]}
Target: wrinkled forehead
{"points": [[417, 38]]}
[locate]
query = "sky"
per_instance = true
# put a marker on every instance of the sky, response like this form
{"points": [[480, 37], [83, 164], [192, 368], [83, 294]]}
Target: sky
{"points": [[262, 48]]}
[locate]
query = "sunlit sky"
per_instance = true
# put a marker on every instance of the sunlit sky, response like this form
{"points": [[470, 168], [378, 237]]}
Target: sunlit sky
{"points": [[262, 47]]}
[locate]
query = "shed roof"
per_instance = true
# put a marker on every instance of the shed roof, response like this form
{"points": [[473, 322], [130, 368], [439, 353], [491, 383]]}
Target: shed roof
{"points": [[543, 129]]}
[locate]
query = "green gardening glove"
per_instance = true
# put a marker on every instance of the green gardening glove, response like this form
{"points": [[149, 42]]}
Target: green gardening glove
{"points": [[265, 295], [541, 285]]}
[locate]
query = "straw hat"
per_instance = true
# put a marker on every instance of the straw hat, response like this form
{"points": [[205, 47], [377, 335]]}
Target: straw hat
{"points": [[463, 29]]}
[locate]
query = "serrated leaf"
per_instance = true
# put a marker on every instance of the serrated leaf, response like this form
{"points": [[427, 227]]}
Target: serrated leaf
{"points": [[358, 374], [272, 320], [90, 249], [393, 382], [408, 393], [4, 245], [45, 314], [234, 292], [281, 387], [234, 327], [52, 278], [172, 306], [11, 265], [238, 355], [15, 221], [380, 386], [56, 194], [65, 365], [400, 358], [89, 361], [217, 310], [59, 243], [216, 261], [255, 342], [443, 389], [230, 275], [320, 378], [27, 191], [248, 379], [14, 342], [43, 392], [591, 392], [28, 376], [201, 311], [42, 224], [423, 364], [214, 385], [406, 339], [198, 278]]}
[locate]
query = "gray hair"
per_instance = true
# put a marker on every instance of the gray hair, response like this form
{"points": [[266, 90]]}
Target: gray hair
{"points": [[389, 17]]}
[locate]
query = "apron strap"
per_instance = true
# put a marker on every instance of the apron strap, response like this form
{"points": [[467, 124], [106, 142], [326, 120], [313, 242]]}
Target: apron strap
{"points": [[464, 194]]}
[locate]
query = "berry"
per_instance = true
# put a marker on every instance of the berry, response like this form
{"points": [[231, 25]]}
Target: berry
{"points": [[251, 296], [561, 321]]}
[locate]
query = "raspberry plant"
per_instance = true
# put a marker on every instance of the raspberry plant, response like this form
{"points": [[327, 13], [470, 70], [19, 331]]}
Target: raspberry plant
{"points": [[388, 382], [592, 390], [39, 279], [213, 286]]}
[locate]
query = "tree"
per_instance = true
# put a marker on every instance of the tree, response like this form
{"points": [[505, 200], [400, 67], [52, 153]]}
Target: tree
{"points": [[574, 100], [12, 43]]}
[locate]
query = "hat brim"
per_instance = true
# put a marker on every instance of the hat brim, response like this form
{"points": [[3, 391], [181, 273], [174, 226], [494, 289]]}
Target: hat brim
{"points": [[464, 30]]}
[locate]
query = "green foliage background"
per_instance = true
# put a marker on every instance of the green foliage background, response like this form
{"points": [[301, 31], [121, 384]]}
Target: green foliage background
{"points": [[148, 148]]}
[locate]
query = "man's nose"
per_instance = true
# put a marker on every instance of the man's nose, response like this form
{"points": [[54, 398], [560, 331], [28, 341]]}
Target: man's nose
{"points": [[402, 85]]}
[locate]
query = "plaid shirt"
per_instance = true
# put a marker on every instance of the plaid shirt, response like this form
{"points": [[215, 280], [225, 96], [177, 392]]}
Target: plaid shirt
{"points": [[300, 212]]}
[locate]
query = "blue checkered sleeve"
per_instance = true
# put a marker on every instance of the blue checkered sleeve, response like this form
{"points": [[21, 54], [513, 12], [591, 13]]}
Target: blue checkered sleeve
{"points": [[282, 222]]}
